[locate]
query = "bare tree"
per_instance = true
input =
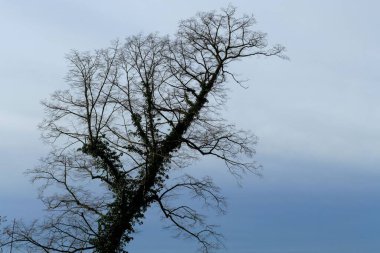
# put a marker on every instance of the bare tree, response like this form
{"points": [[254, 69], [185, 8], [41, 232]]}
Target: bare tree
{"points": [[133, 113]]}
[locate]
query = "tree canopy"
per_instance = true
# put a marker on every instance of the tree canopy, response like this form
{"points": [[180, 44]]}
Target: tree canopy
{"points": [[132, 114]]}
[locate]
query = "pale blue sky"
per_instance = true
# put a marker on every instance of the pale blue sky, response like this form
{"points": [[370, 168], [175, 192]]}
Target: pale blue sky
{"points": [[317, 116]]}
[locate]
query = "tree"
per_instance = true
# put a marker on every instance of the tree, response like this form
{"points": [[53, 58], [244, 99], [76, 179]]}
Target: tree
{"points": [[134, 113]]}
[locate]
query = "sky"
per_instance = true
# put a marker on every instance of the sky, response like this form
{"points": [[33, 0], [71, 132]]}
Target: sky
{"points": [[317, 116]]}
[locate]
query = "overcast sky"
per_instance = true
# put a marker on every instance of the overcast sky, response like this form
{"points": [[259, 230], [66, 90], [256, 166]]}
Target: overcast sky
{"points": [[317, 116]]}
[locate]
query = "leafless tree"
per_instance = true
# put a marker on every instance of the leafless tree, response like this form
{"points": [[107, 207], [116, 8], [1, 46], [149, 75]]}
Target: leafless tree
{"points": [[133, 113]]}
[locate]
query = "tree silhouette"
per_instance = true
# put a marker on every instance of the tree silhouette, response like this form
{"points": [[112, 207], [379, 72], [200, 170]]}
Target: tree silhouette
{"points": [[134, 112]]}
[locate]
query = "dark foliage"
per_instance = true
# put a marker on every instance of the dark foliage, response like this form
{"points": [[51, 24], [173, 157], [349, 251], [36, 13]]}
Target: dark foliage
{"points": [[133, 113]]}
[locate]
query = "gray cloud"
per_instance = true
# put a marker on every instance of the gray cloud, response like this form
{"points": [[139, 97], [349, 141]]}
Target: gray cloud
{"points": [[317, 115]]}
